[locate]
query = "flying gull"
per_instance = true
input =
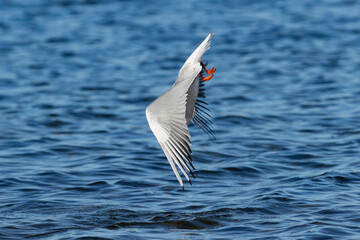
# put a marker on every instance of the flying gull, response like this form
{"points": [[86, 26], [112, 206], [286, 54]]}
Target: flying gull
{"points": [[170, 114]]}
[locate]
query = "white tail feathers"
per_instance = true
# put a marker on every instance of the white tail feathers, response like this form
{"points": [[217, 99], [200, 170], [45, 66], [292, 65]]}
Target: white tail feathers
{"points": [[201, 49]]}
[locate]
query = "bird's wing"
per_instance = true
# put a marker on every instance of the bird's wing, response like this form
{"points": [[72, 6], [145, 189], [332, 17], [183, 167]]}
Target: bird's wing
{"points": [[166, 118], [192, 67], [167, 114]]}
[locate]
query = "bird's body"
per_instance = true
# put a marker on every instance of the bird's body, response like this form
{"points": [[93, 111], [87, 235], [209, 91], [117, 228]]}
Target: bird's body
{"points": [[171, 113]]}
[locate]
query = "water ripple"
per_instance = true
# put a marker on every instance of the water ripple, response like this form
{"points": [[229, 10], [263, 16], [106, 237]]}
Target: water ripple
{"points": [[78, 161]]}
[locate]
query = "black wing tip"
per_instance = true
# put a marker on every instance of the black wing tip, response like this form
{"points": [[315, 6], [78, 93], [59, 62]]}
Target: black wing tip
{"points": [[207, 128], [202, 118], [192, 174]]}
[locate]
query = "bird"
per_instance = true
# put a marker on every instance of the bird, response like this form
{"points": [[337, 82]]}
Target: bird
{"points": [[170, 114]]}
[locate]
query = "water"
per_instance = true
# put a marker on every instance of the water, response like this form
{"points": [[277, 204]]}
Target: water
{"points": [[78, 161]]}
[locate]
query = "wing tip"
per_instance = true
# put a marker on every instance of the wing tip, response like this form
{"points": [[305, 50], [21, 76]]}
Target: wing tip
{"points": [[210, 36], [201, 49]]}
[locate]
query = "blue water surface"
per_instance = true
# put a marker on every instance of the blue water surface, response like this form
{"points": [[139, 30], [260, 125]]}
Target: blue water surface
{"points": [[78, 160]]}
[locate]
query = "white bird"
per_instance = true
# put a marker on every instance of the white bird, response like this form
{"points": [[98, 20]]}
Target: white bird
{"points": [[170, 114]]}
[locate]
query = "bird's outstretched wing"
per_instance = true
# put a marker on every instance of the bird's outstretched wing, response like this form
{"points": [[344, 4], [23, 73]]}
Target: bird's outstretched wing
{"points": [[166, 117]]}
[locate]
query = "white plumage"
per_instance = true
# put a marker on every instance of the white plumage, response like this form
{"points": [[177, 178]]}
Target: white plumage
{"points": [[170, 114]]}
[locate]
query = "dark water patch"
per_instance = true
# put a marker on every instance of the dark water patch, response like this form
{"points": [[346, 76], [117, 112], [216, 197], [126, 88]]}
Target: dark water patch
{"points": [[79, 189], [58, 40], [345, 178], [97, 88], [197, 220], [233, 119], [243, 171], [237, 98], [68, 54], [56, 123], [302, 156], [135, 184]]}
